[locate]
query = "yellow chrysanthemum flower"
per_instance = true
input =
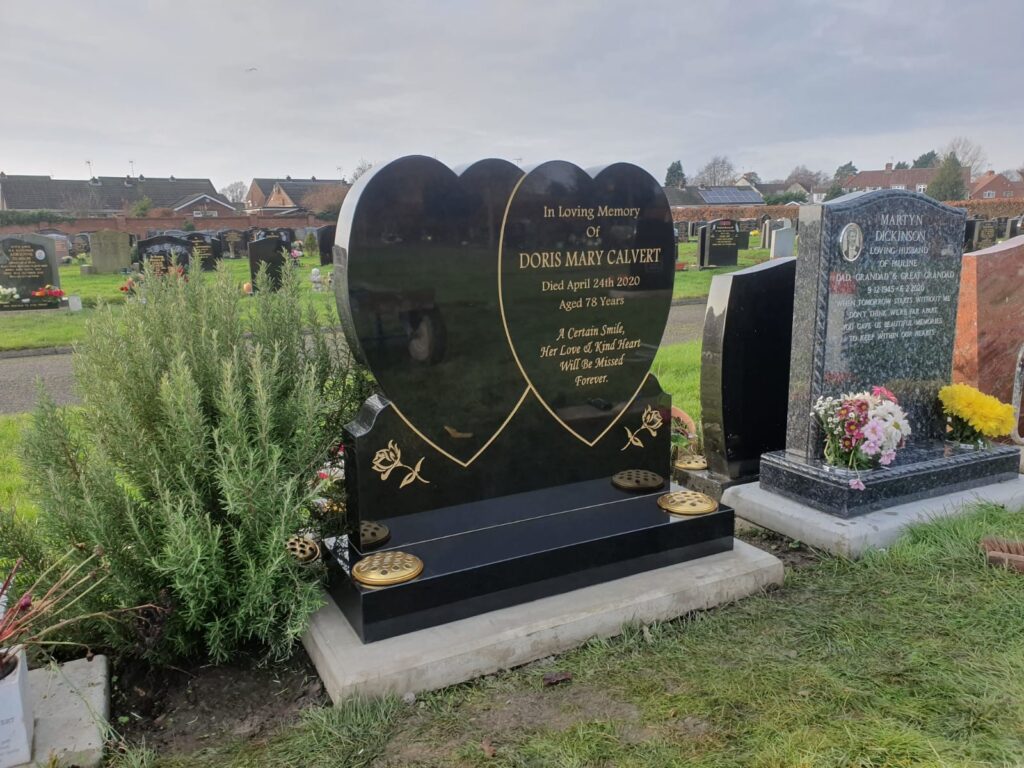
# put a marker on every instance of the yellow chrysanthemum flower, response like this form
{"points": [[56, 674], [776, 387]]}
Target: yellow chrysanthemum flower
{"points": [[984, 413]]}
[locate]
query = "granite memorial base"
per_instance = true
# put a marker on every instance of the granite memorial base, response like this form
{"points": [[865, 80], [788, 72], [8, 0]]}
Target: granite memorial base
{"points": [[922, 470], [852, 537], [708, 482], [503, 639], [578, 534]]}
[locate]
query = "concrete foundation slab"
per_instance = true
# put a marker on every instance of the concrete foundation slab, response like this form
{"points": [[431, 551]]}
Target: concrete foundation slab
{"points": [[851, 537], [479, 645], [72, 708]]}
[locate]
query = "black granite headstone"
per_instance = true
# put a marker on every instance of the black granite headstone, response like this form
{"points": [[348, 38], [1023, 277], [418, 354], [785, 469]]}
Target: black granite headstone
{"points": [[745, 227], [876, 298], [325, 242], [510, 322], [28, 264], [1012, 228], [744, 380], [81, 245], [720, 245], [969, 229], [986, 234], [287, 234], [162, 252], [205, 248], [233, 243], [272, 252]]}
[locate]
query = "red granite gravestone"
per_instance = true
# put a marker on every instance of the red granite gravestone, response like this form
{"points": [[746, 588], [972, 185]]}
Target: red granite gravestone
{"points": [[990, 322]]}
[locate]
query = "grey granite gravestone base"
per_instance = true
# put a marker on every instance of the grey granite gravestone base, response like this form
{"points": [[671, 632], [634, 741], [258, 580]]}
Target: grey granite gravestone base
{"points": [[72, 707], [461, 650], [852, 537]]}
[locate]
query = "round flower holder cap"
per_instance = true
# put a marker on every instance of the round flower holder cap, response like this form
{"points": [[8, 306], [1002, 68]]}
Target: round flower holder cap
{"points": [[303, 549], [687, 503], [382, 569], [690, 461], [637, 480]]}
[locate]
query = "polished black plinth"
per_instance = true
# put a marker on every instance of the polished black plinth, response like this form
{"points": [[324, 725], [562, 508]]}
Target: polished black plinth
{"points": [[579, 534], [921, 471]]}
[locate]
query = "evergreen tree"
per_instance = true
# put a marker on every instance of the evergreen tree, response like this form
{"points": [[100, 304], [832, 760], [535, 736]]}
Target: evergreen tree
{"points": [[902, 165], [948, 183], [845, 171], [675, 177], [836, 190], [929, 159]]}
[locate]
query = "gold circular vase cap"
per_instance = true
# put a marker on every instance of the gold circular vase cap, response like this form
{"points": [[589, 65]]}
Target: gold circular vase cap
{"points": [[304, 550], [385, 568], [372, 534], [637, 480], [691, 462], [687, 503]]}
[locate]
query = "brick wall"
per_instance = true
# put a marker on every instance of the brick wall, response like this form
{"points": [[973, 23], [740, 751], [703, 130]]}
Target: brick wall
{"points": [[141, 226], [708, 213]]}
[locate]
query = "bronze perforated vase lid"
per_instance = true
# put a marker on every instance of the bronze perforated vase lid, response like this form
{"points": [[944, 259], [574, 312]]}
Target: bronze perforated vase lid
{"points": [[637, 480], [687, 503], [383, 569]]}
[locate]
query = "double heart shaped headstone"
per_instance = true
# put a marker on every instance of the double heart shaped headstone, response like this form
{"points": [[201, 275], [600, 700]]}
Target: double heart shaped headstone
{"points": [[464, 293]]}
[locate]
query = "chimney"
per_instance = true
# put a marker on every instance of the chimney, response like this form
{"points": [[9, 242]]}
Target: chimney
{"points": [[990, 174], [888, 166]]}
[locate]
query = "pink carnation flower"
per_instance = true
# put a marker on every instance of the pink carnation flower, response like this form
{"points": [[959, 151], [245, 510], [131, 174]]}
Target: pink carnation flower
{"points": [[856, 484]]}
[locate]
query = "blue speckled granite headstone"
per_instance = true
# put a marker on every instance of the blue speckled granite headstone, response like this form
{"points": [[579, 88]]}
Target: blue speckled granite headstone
{"points": [[877, 283], [876, 294]]}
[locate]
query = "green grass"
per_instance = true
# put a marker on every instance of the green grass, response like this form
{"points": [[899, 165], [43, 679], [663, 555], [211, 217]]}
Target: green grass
{"points": [[13, 490], [678, 370], [57, 328], [693, 283], [910, 657]]}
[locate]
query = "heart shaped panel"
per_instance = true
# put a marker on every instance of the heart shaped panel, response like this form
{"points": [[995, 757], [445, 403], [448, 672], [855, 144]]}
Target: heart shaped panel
{"points": [[586, 274], [416, 261]]}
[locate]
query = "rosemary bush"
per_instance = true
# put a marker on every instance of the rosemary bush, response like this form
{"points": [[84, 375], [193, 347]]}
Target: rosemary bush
{"points": [[193, 459]]}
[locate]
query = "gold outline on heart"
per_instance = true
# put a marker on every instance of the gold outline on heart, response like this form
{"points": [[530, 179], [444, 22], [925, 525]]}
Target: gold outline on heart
{"points": [[484, 447], [515, 356]]}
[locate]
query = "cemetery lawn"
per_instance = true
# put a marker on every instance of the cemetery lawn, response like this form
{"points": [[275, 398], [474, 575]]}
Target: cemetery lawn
{"points": [[13, 493], [677, 368], [910, 657], [58, 328], [695, 284]]}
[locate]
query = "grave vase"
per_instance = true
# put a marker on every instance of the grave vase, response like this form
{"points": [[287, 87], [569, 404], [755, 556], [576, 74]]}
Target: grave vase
{"points": [[16, 718]]}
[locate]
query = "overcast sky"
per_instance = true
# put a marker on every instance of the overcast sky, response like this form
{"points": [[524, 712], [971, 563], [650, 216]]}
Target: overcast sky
{"points": [[231, 90]]}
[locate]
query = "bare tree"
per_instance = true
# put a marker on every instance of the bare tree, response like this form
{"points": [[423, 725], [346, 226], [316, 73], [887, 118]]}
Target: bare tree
{"points": [[361, 168], [806, 177], [969, 154], [719, 172], [235, 191]]}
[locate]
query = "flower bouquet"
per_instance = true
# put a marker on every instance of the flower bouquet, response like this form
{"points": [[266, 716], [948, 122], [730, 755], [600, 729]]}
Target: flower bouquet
{"points": [[47, 292], [973, 416], [8, 295], [862, 430]]}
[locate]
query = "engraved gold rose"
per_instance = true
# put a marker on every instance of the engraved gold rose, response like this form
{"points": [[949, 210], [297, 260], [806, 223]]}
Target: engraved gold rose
{"points": [[650, 421], [387, 460]]}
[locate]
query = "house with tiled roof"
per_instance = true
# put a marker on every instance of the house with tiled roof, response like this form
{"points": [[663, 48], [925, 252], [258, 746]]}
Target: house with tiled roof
{"points": [[108, 195], [284, 195], [995, 186], [912, 179]]}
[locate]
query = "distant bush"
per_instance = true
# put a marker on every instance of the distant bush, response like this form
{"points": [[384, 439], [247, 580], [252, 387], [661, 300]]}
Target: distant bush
{"points": [[17, 218], [191, 461]]}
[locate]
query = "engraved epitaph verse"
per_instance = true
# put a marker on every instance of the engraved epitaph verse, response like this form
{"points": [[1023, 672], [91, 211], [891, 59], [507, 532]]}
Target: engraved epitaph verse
{"points": [[586, 282], [892, 309]]}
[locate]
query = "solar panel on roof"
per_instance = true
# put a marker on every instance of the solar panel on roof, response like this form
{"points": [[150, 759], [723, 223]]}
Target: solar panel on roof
{"points": [[730, 195]]}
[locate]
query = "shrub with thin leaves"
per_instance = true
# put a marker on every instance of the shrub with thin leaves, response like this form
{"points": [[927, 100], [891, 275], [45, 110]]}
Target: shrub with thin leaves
{"points": [[192, 460]]}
